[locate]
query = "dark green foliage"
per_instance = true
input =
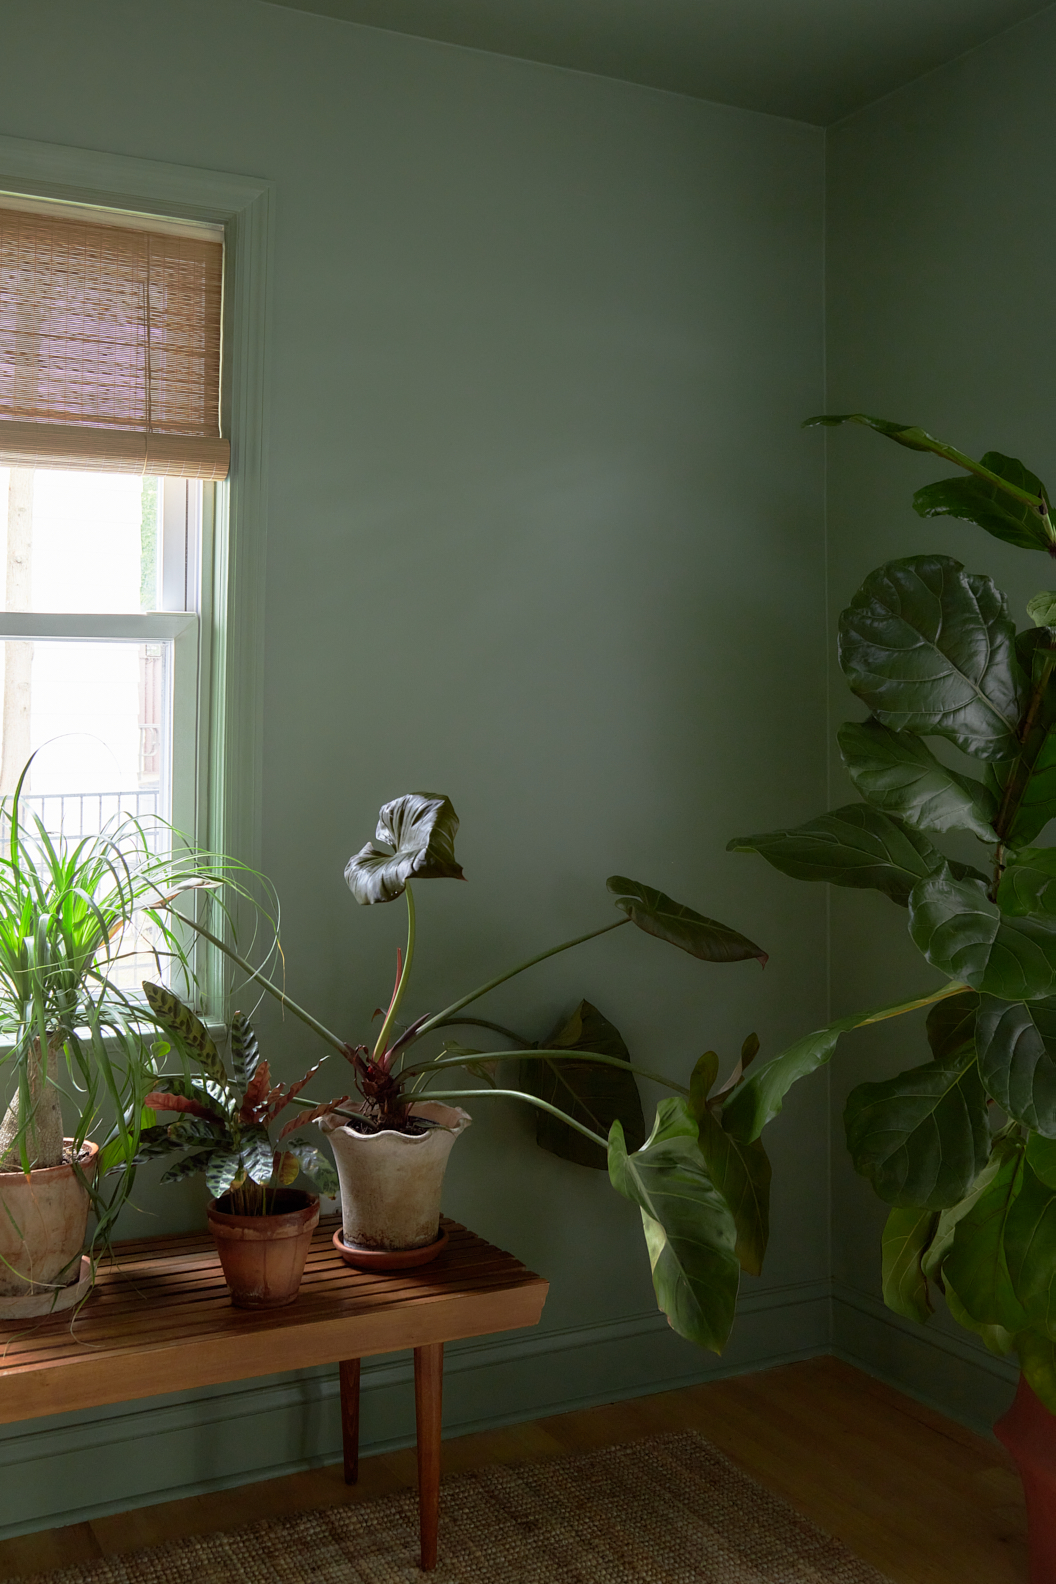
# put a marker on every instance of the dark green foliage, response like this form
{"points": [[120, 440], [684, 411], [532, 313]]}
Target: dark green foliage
{"points": [[589, 1092]]}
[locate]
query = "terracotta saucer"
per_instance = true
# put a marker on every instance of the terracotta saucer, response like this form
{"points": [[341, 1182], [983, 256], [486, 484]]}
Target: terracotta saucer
{"points": [[49, 1303], [388, 1259]]}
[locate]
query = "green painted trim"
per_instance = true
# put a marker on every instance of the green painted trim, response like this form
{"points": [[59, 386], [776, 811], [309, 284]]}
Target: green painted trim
{"points": [[230, 750]]}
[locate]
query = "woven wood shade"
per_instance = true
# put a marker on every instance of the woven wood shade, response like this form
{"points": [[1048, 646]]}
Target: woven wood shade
{"points": [[109, 348]]}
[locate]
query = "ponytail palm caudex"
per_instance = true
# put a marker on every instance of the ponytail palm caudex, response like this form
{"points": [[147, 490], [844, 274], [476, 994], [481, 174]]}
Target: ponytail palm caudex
{"points": [[962, 1147], [703, 1198]]}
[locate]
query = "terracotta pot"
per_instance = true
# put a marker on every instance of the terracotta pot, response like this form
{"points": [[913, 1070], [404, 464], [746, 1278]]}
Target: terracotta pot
{"points": [[1028, 1430], [43, 1220], [391, 1182], [263, 1256]]}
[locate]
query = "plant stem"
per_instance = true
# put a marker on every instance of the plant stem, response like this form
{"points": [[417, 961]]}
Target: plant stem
{"points": [[518, 1094], [401, 983], [437, 1062], [496, 1028], [280, 995], [475, 995]]}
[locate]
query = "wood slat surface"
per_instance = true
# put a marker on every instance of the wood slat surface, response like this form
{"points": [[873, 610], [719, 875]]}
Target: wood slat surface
{"points": [[161, 1320]]}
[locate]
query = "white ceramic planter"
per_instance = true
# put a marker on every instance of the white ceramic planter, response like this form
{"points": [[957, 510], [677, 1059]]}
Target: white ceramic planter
{"points": [[43, 1219], [391, 1182]]}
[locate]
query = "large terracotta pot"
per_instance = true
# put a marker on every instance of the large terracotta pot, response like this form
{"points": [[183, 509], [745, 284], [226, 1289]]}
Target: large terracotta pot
{"points": [[391, 1182], [1028, 1430], [43, 1220], [263, 1256]]}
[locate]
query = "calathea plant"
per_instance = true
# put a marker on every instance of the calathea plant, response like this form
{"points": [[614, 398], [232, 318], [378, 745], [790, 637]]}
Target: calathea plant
{"points": [[962, 1146], [223, 1122], [703, 1196]]}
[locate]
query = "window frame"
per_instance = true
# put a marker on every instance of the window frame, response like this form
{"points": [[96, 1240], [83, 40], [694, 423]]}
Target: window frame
{"points": [[229, 645]]}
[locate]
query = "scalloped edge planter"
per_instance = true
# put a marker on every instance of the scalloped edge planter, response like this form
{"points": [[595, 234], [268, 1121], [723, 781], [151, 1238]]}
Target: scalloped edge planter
{"points": [[391, 1182]]}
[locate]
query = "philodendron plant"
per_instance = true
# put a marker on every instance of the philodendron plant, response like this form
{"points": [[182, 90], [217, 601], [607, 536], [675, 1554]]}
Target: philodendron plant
{"points": [[963, 1146], [703, 1196]]}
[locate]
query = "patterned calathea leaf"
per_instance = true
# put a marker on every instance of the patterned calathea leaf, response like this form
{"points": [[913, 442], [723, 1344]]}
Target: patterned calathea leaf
{"points": [[929, 648], [189, 1029], [420, 829]]}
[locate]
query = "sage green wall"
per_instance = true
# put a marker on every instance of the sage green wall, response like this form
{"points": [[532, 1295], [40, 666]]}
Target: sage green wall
{"points": [[543, 535], [942, 312]]}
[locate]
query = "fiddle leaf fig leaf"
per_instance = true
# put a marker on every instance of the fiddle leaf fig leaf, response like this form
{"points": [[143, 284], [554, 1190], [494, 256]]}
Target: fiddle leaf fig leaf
{"points": [[689, 1228], [963, 934], [1030, 1249], [921, 1138], [907, 1234], [976, 1266], [760, 1095], [950, 1025], [930, 649], [987, 502], [741, 1173], [898, 773], [1028, 885], [671, 921], [190, 1030], [853, 846], [1041, 608], [1016, 1042], [421, 829], [590, 1092]]}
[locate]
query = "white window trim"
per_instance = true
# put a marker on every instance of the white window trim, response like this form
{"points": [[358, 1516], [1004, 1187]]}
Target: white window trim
{"points": [[230, 725]]}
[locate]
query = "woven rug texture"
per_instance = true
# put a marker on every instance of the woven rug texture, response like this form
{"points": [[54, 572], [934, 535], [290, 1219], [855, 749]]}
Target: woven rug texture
{"points": [[668, 1510]]}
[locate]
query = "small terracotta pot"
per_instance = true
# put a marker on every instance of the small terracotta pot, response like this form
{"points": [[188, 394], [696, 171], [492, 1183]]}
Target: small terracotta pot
{"points": [[43, 1220], [1028, 1430], [391, 1182], [263, 1256]]}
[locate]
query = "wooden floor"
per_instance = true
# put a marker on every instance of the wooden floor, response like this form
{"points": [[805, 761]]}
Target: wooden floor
{"points": [[924, 1500]]}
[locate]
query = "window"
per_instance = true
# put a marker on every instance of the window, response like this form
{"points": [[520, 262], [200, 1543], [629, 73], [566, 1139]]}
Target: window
{"points": [[109, 449]]}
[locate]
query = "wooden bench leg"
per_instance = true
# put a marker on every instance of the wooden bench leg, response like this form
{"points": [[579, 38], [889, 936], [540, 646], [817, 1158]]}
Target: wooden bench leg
{"points": [[428, 1407], [349, 1369]]}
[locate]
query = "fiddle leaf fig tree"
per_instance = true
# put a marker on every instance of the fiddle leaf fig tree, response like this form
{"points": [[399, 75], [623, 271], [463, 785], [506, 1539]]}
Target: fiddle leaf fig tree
{"points": [[961, 1146], [703, 1196]]}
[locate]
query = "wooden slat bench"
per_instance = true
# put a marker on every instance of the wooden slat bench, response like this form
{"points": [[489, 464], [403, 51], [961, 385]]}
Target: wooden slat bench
{"points": [[161, 1320]]}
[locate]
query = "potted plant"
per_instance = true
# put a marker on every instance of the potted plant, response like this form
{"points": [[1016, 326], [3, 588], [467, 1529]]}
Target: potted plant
{"points": [[703, 1199], [72, 914], [963, 1146], [261, 1223]]}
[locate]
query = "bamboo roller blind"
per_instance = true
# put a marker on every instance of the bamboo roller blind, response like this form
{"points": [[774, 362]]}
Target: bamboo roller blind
{"points": [[109, 348]]}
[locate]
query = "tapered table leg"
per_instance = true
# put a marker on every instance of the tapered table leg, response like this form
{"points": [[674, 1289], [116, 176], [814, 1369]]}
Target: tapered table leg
{"points": [[428, 1409], [350, 1418]]}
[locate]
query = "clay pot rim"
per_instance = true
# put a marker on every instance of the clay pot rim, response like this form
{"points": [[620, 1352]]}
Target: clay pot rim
{"points": [[282, 1219], [41, 1173]]}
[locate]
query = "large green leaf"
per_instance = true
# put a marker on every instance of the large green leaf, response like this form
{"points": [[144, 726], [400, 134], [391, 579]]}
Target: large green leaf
{"points": [[923, 1137], [689, 1227], [420, 828], [190, 1030], [760, 1095], [1025, 786], [853, 846], [976, 1265], [1016, 1043], [907, 1234], [951, 1025], [741, 1173], [671, 921], [594, 1094], [988, 502], [1009, 479], [1030, 1248], [930, 649], [1037, 1360], [898, 773], [964, 934], [315, 1166], [1028, 884]]}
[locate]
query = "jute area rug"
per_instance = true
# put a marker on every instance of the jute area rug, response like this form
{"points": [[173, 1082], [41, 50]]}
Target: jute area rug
{"points": [[669, 1510]]}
